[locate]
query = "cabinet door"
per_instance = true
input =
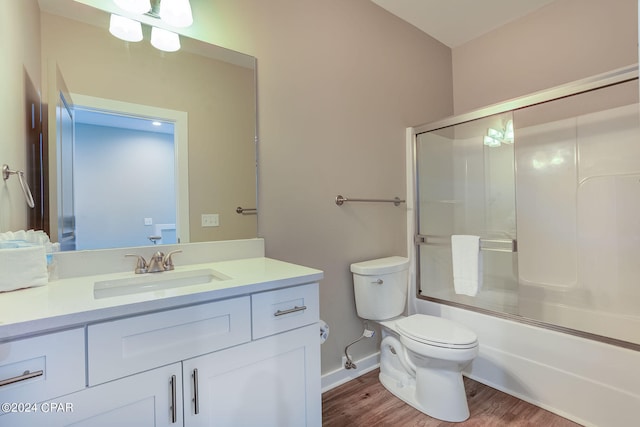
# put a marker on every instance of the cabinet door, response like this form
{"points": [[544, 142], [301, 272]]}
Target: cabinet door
{"points": [[274, 381], [149, 399]]}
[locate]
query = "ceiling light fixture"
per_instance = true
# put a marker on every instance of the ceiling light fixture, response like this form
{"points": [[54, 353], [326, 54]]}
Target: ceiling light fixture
{"points": [[176, 13], [125, 28]]}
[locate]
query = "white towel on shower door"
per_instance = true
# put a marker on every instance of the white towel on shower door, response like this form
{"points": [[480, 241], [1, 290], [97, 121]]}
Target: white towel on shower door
{"points": [[467, 264]]}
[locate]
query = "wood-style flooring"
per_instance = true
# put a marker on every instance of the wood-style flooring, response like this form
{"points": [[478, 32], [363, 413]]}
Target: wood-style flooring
{"points": [[365, 402]]}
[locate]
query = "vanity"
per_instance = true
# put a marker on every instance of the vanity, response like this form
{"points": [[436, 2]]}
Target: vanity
{"points": [[228, 339]]}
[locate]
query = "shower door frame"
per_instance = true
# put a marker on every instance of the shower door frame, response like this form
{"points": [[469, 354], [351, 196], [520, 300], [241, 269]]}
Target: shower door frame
{"points": [[600, 81]]}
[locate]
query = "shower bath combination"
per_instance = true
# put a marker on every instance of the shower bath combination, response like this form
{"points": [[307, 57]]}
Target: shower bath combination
{"points": [[551, 184]]}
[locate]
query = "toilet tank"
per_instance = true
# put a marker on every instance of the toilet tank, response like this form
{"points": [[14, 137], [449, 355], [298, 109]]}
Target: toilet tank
{"points": [[380, 287]]}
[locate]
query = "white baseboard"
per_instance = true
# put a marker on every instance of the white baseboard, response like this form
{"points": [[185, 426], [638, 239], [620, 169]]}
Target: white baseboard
{"points": [[340, 376]]}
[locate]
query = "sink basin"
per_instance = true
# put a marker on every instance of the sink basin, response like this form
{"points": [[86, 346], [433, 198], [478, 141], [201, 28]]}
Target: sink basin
{"points": [[154, 282]]}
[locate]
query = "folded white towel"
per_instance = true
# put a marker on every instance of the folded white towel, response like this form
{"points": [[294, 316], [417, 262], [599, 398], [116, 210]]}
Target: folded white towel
{"points": [[467, 264], [23, 267]]}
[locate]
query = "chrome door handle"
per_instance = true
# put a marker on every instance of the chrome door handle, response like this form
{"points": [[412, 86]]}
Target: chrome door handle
{"points": [[196, 404], [25, 376], [289, 311], [174, 410]]}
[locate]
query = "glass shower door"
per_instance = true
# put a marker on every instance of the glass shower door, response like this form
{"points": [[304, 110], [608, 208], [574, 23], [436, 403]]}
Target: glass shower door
{"points": [[466, 186]]}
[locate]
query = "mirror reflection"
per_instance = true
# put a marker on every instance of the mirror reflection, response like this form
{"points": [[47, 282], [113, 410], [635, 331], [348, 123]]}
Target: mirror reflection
{"points": [[115, 178]]}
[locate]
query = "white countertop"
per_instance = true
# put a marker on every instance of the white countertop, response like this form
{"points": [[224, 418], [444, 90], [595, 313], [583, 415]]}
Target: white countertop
{"points": [[68, 303]]}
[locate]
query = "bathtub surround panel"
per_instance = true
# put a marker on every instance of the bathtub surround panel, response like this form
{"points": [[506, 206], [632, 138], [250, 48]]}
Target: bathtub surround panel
{"points": [[576, 183], [547, 170], [577, 180]]}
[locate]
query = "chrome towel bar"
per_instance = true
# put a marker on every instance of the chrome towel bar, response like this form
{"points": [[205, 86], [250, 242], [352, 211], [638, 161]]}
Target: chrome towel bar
{"points": [[7, 172], [486, 244], [246, 211], [341, 199]]}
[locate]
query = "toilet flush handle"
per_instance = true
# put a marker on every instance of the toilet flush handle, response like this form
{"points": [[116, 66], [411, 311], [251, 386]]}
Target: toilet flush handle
{"points": [[378, 282]]}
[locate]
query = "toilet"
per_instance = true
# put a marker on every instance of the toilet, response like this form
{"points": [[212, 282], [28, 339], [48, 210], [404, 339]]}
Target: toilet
{"points": [[421, 357]]}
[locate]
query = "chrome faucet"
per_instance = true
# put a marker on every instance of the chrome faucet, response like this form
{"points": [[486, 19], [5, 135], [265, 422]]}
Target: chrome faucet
{"points": [[156, 263], [159, 262]]}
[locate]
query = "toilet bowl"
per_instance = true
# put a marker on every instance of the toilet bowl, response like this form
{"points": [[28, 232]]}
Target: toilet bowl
{"points": [[421, 356]]}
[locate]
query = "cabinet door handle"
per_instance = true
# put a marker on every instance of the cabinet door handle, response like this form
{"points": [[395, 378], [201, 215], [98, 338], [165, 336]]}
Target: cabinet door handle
{"points": [[25, 376], [289, 311], [174, 410], [196, 404]]}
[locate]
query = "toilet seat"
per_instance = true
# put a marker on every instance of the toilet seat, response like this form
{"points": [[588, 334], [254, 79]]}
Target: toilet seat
{"points": [[436, 331]]}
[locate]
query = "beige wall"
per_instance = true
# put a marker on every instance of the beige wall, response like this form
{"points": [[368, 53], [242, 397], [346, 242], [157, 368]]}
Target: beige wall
{"points": [[562, 42], [338, 83], [219, 98], [20, 50]]}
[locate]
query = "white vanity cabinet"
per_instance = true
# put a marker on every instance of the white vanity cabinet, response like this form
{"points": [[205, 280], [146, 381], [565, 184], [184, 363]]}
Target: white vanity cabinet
{"points": [[272, 381], [243, 351]]}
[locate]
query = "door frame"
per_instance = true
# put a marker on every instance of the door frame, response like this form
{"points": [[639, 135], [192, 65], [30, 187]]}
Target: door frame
{"points": [[181, 142]]}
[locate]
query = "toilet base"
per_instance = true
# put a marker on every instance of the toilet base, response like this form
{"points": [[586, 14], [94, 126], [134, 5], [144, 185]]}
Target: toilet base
{"points": [[447, 404]]}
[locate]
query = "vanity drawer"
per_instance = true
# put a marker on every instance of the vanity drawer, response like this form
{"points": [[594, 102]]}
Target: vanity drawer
{"points": [[135, 344], [44, 367], [284, 309]]}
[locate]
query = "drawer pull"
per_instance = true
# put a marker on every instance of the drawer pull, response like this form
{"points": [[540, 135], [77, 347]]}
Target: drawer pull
{"points": [[196, 404], [26, 376], [174, 410], [291, 310]]}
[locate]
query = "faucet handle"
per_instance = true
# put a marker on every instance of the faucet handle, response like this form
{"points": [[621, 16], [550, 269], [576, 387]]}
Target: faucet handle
{"points": [[168, 261], [141, 266]]}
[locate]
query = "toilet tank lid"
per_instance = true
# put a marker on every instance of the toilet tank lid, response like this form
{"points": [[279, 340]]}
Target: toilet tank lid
{"points": [[387, 265]]}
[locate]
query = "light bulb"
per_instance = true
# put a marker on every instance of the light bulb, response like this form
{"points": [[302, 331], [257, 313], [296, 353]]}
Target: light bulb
{"points": [[494, 133], [176, 13], [164, 40], [125, 28], [491, 142], [509, 134]]}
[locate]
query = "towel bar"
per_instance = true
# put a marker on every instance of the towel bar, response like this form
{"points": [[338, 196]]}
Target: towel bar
{"points": [[7, 172], [246, 211], [486, 244], [341, 199]]}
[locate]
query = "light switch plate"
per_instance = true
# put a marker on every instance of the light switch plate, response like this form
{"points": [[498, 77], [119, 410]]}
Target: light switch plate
{"points": [[210, 220], [148, 221]]}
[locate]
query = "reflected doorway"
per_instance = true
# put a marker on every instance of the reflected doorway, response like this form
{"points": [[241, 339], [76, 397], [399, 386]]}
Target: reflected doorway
{"points": [[130, 173], [130, 160]]}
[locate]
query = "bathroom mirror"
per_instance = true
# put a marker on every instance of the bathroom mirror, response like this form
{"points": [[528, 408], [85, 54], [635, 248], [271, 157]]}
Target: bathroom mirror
{"points": [[212, 88]]}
